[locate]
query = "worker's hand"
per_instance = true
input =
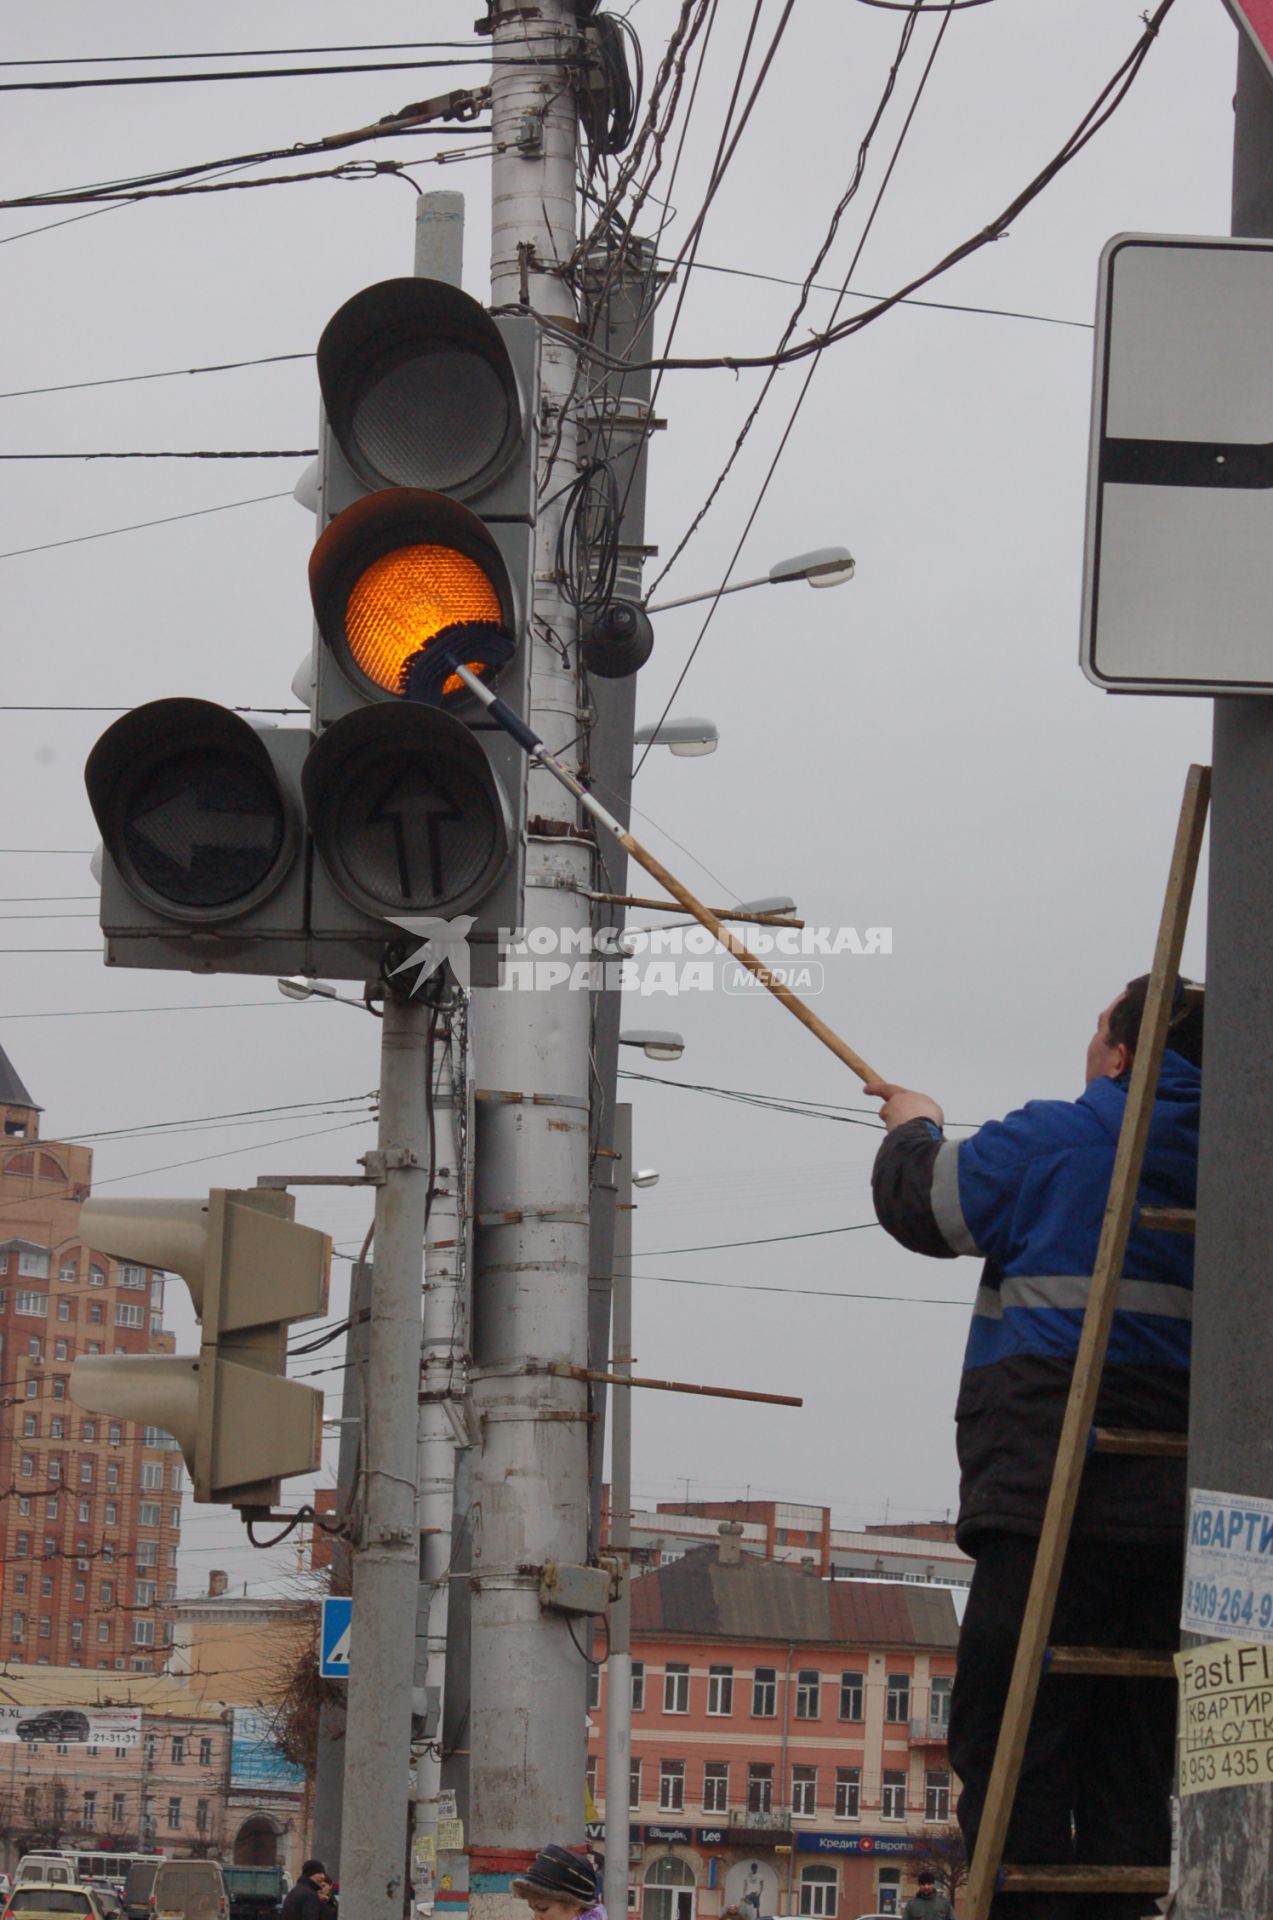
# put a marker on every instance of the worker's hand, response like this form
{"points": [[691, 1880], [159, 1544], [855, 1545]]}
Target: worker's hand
{"points": [[902, 1104]]}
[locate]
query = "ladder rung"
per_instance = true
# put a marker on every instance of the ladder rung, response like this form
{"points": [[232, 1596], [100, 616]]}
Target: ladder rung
{"points": [[1169, 1219], [1149, 1880], [1126, 1663], [1168, 1446]]}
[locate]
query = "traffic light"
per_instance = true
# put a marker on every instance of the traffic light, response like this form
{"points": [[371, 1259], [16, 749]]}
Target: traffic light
{"points": [[426, 507], [242, 1426], [233, 849]]}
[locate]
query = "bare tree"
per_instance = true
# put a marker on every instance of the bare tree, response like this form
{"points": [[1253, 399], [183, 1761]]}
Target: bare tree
{"points": [[945, 1857]]}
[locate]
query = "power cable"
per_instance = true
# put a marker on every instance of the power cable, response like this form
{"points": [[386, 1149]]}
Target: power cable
{"points": [[168, 373], [242, 53], [180, 453], [808, 1293], [139, 526], [765, 1240], [263, 73]]}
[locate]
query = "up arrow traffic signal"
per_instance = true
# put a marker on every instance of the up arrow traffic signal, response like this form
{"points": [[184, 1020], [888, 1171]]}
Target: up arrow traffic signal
{"points": [[251, 1269]]}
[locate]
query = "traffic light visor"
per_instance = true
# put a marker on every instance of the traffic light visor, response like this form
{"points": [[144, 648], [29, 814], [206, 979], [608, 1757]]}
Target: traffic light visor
{"points": [[396, 571], [419, 388]]}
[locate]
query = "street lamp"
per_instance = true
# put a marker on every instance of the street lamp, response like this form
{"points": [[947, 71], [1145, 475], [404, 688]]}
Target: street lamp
{"points": [[654, 1043], [687, 738], [646, 1177], [824, 567], [297, 987]]}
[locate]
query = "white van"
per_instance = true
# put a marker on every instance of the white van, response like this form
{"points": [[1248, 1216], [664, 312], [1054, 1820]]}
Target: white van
{"points": [[189, 1890], [45, 1869]]}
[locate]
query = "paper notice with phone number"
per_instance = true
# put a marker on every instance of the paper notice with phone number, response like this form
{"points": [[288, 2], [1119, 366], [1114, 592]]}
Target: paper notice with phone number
{"points": [[1229, 1567], [1226, 1716]]}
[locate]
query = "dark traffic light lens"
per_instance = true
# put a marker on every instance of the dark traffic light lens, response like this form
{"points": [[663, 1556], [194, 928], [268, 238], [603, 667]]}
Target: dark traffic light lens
{"points": [[203, 828], [438, 419], [419, 836]]}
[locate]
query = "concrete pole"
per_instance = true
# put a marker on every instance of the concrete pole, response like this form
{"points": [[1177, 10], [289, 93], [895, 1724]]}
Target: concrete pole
{"points": [[385, 1555], [1226, 1837], [531, 1244], [619, 1663]]}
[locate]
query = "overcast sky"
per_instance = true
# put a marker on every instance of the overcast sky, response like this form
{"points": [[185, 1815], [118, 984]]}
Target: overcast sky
{"points": [[917, 750]]}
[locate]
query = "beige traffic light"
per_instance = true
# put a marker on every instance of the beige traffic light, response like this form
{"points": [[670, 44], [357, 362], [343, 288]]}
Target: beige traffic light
{"points": [[251, 1269]]}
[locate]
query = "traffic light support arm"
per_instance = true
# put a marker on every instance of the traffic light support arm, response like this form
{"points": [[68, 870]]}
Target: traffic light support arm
{"points": [[534, 746]]}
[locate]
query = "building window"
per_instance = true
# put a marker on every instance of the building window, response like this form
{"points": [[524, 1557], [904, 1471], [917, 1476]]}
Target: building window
{"points": [[143, 1633], [152, 1477], [144, 1592], [33, 1260], [117, 1809], [716, 1786], [81, 1591], [30, 1801], [720, 1689], [90, 1809], [112, 1513], [638, 1686], [28, 1466], [201, 1816], [817, 1891], [54, 1468], [18, 1627], [77, 1631], [590, 1777], [104, 1630], [86, 1510], [132, 1276], [46, 1626], [939, 1703], [33, 1387], [66, 1272], [174, 1812], [897, 1699], [22, 1544], [174, 1516], [146, 1553], [86, 1473], [96, 1316], [59, 1386], [61, 1349], [760, 1787], [33, 1347], [848, 1793], [94, 1346], [50, 1505], [63, 1309], [937, 1796], [676, 1688], [808, 1696], [19, 1583], [634, 1785], [148, 1513], [174, 1477], [804, 1790], [178, 1749], [671, 1786], [46, 1586], [594, 1683], [764, 1693], [852, 1687], [30, 1425], [35, 1304], [129, 1316], [205, 1753], [893, 1796], [112, 1473], [57, 1427]]}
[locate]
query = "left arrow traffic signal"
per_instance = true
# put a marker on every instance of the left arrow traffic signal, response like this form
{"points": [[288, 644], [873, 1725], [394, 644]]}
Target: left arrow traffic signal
{"points": [[251, 1269]]}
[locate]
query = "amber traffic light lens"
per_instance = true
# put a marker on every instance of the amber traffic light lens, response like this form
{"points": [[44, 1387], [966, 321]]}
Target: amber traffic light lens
{"points": [[404, 600]]}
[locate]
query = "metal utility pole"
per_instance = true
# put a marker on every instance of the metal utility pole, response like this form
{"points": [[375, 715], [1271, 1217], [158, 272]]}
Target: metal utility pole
{"points": [[385, 1552], [619, 1661], [531, 1252], [443, 1385], [1226, 1837]]}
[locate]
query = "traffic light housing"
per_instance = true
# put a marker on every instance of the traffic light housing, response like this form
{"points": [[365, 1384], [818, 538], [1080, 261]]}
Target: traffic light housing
{"points": [[233, 849], [251, 1269]]}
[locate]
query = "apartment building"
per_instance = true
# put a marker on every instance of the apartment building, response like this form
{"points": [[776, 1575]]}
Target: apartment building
{"points": [[788, 1738], [91, 1519]]}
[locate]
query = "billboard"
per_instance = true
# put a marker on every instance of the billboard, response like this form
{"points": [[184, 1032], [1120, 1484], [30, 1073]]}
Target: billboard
{"points": [[256, 1763], [112, 1727]]}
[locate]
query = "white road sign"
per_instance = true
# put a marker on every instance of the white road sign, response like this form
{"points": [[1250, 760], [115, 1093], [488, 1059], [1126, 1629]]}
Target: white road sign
{"points": [[1178, 574]]}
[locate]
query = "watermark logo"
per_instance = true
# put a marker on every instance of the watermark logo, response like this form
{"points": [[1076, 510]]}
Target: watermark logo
{"points": [[677, 960]]}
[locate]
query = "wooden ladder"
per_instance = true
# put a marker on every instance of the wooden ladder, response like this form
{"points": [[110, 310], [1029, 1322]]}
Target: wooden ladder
{"points": [[989, 1875]]}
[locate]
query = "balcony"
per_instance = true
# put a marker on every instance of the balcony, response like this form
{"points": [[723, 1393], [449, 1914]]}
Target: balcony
{"points": [[930, 1732]]}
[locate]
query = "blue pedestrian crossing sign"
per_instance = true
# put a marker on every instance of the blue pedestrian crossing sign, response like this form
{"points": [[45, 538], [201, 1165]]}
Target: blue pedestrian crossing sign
{"points": [[333, 1651]]}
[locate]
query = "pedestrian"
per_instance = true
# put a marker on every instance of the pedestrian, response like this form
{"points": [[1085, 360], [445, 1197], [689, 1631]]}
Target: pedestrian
{"points": [[560, 1885], [926, 1903], [1028, 1195], [304, 1902]]}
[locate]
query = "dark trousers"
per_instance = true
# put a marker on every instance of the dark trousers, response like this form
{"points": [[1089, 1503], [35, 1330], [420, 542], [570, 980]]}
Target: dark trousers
{"points": [[1098, 1766]]}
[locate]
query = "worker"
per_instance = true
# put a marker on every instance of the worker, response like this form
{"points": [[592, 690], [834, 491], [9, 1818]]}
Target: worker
{"points": [[1027, 1194], [560, 1885]]}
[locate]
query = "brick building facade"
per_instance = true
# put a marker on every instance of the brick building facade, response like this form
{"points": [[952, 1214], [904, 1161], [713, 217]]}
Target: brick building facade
{"points": [[788, 1738], [90, 1518]]}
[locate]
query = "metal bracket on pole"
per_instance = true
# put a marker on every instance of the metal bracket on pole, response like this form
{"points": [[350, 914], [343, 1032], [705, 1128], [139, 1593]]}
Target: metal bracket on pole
{"points": [[565, 1589], [381, 1162]]}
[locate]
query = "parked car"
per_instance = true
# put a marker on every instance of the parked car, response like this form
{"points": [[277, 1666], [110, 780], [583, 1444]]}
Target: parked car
{"points": [[189, 1890], [45, 1869], [58, 1724]]}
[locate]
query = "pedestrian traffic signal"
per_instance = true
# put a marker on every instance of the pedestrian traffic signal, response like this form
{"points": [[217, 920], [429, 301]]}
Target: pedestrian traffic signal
{"points": [[251, 1269]]}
